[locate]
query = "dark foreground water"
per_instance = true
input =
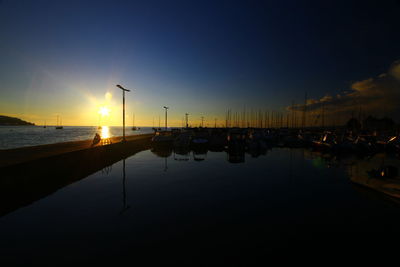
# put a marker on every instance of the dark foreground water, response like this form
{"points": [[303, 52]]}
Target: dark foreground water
{"points": [[287, 205]]}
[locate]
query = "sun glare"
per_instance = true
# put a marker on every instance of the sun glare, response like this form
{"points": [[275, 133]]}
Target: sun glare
{"points": [[104, 111], [105, 132]]}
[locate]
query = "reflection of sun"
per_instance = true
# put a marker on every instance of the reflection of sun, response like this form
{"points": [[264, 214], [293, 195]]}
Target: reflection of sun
{"points": [[104, 111], [105, 132]]}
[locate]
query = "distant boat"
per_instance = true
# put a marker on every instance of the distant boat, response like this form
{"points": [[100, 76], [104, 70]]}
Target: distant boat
{"points": [[58, 127], [134, 128], [44, 126]]}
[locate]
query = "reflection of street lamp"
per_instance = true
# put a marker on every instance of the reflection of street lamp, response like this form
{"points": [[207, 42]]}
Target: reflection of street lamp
{"points": [[166, 116], [123, 110], [124, 205]]}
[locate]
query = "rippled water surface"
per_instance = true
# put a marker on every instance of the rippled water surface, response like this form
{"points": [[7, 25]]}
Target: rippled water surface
{"points": [[198, 203], [20, 136]]}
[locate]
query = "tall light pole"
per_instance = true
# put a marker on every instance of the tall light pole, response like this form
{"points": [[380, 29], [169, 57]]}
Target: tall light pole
{"points": [[202, 121], [166, 117], [123, 110], [187, 120]]}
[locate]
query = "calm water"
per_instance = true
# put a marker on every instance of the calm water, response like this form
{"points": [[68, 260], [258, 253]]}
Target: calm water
{"points": [[20, 136], [178, 209]]}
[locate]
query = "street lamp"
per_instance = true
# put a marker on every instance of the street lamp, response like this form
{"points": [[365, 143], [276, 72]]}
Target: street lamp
{"points": [[123, 110], [166, 116]]}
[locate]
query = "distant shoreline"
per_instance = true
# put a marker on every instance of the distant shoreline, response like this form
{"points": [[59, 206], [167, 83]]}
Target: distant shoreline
{"points": [[10, 121]]}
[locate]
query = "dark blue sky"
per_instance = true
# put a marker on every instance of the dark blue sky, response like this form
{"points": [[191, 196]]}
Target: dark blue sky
{"points": [[197, 56]]}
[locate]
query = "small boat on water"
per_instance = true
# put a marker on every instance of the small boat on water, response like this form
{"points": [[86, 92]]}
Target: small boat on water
{"points": [[162, 138], [59, 126], [134, 128], [199, 155], [183, 140], [200, 140], [325, 143]]}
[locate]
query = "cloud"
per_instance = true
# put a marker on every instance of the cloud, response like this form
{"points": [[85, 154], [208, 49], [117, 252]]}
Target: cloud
{"points": [[377, 96]]}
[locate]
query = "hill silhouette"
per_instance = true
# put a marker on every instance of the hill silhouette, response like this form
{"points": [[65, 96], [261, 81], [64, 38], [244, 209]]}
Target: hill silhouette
{"points": [[10, 121]]}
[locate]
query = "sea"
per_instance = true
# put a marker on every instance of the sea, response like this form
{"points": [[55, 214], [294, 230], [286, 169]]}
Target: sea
{"points": [[22, 136]]}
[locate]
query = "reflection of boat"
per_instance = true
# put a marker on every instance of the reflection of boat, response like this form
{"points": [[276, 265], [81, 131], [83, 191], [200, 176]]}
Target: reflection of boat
{"points": [[163, 152], [181, 154], [237, 157], [199, 155]]}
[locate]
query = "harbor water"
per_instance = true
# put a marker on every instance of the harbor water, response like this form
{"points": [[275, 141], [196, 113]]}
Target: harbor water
{"points": [[189, 207]]}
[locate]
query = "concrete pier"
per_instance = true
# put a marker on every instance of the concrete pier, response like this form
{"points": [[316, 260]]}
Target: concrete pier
{"points": [[30, 173]]}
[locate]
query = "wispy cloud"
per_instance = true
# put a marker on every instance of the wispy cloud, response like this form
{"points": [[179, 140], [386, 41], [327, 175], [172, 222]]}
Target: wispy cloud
{"points": [[375, 95]]}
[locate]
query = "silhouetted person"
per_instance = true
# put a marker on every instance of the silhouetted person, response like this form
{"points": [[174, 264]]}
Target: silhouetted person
{"points": [[96, 139]]}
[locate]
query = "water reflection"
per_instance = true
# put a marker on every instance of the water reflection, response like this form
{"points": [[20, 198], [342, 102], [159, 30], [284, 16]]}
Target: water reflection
{"points": [[284, 195], [125, 206], [106, 170], [378, 172], [105, 132], [199, 155], [235, 153], [181, 154]]}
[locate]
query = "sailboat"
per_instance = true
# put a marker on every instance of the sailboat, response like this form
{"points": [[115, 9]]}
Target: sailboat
{"points": [[44, 126], [58, 127], [134, 128]]}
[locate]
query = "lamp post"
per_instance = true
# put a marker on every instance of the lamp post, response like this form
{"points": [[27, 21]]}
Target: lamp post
{"points": [[166, 117], [187, 120], [123, 110]]}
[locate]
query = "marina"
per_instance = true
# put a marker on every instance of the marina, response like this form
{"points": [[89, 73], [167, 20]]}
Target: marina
{"points": [[199, 133]]}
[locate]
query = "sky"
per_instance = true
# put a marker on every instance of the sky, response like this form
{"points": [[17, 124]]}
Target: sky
{"points": [[198, 57]]}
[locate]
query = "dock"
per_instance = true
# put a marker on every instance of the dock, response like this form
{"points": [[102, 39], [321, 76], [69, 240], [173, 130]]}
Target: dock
{"points": [[31, 173], [10, 157]]}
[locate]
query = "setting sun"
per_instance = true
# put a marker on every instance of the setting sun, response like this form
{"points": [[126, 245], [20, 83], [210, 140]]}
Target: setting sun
{"points": [[104, 111]]}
